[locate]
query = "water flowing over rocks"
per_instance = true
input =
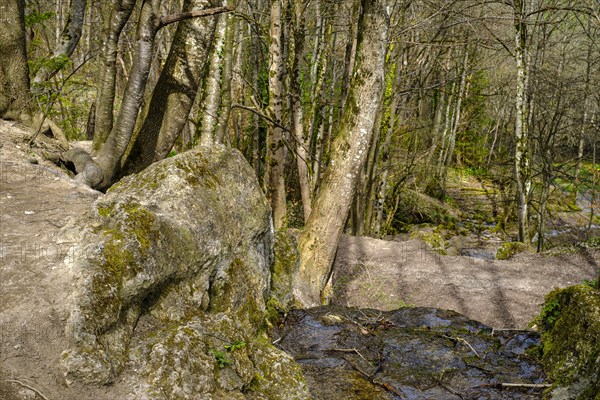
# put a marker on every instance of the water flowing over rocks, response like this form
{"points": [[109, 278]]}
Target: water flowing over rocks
{"points": [[410, 353]]}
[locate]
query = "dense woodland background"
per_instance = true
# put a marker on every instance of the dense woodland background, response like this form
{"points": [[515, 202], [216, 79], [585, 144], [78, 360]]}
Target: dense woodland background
{"points": [[503, 91]]}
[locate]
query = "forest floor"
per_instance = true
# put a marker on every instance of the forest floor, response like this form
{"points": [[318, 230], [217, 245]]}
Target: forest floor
{"points": [[37, 200], [503, 294]]}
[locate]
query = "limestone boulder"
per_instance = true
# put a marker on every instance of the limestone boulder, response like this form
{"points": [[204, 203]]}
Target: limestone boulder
{"points": [[172, 271]]}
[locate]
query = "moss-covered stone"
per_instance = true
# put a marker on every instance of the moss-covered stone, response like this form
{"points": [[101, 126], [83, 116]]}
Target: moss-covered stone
{"points": [[187, 239], [284, 269], [509, 249], [570, 327], [433, 238]]}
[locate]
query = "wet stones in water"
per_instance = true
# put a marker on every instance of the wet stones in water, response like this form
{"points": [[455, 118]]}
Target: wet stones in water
{"points": [[410, 353]]}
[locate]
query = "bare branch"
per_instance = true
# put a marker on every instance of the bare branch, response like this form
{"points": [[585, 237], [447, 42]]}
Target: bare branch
{"points": [[170, 19]]}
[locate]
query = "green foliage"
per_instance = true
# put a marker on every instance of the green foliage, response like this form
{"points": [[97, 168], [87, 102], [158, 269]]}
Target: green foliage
{"points": [[236, 344], [35, 17], [221, 357], [549, 314], [509, 249]]}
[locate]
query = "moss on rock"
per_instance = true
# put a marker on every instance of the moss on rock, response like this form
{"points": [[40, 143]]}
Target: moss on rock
{"points": [[570, 327]]}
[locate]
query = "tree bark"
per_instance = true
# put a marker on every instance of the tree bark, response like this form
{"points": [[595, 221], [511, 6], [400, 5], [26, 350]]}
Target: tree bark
{"points": [[14, 71], [522, 162], [175, 91], [319, 240], [302, 144], [212, 88], [69, 39], [113, 149], [228, 53], [276, 150], [105, 98]]}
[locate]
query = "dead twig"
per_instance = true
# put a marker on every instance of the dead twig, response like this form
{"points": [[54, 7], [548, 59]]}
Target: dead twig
{"points": [[352, 351], [28, 387], [526, 385], [462, 340]]}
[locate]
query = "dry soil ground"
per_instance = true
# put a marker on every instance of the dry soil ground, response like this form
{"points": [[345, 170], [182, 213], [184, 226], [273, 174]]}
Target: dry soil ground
{"points": [[503, 294]]}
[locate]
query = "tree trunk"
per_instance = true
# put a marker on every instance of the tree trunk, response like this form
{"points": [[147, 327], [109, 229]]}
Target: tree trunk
{"points": [[276, 150], [69, 39], [228, 50], [302, 144], [522, 163], [212, 88], [113, 149], [105, 98], [175, 91], [318, 242], [14, 71]]}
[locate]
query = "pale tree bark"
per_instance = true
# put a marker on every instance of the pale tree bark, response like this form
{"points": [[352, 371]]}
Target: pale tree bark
{"points": [[69, 38], [14, 71], [110, 154], [228, 53], [212, 88], [175, 91], [120, 13], [275, 165], [522, 162], [318, 242], [302, 144]]}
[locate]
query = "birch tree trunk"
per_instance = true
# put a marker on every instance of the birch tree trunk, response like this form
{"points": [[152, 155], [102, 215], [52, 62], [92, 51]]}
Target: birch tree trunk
{"points": [[302, 144], [69, 38], [318, 242], [274, 176], [522, 162], [212, 89]]}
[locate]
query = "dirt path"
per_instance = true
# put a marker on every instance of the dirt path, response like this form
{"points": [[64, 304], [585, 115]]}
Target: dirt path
{"points": [[36, 202], [504, 294]]}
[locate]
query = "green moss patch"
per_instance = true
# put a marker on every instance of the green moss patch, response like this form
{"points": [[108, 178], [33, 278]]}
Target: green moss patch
{"points": [[570, 327]]}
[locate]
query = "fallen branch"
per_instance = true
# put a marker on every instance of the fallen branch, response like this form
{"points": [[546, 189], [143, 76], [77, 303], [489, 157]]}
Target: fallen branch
{"points": [[526, 385], [28, 387], [459, 339]]}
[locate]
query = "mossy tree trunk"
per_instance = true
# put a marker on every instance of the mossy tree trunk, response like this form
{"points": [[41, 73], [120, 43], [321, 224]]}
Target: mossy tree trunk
{"points": [[522, 162], [14, 71], [301, 139], [318, 242]]}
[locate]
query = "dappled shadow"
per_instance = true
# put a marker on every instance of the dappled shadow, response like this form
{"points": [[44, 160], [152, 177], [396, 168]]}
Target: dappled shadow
{"points": [[503, 294]]}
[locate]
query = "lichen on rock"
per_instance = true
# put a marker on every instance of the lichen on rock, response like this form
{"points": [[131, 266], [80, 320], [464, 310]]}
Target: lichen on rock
{"points": [[186, 245]]}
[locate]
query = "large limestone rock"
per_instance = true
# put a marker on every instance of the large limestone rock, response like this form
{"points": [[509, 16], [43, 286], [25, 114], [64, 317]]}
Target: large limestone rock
{"points": [[173, 274]]}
